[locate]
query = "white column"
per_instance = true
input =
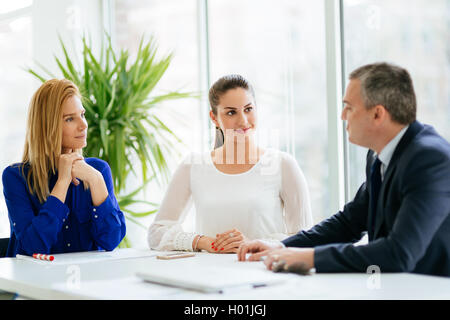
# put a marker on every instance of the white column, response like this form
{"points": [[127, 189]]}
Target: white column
{"points": [[336, 134], [204, 71]]}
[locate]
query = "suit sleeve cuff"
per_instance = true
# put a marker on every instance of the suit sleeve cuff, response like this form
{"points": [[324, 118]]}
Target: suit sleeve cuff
{"points": [[328, 258], [319, 258]]}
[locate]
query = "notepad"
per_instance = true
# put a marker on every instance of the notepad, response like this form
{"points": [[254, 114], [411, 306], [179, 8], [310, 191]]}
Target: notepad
{"points": [[94, 256], [210, 280]]}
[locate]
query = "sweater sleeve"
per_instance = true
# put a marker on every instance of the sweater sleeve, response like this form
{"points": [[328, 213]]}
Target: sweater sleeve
{"points": [[166, 232], [35, 231], [295, 195]]}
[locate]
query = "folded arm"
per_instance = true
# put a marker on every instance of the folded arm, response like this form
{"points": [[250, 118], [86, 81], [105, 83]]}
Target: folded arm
{"points": [[34, 232], [107, 220]]}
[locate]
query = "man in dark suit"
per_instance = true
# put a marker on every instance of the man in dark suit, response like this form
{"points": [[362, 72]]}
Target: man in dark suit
{"points": [[404, 205]]}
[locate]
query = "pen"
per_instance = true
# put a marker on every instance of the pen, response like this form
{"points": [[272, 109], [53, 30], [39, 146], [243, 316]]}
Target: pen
{"points": [[45, 257], [36, 256]]}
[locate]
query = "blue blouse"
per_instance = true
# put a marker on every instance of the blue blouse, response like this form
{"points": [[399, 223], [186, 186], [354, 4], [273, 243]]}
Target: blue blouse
{"points": [[56, 227]]}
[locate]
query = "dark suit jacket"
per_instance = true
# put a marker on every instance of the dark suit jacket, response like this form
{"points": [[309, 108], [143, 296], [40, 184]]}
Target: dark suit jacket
{"points": [[412, 222]]}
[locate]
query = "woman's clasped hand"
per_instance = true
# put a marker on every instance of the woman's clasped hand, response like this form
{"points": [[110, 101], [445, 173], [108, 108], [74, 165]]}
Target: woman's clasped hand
{"points": [[65, 166], [228, 241]]}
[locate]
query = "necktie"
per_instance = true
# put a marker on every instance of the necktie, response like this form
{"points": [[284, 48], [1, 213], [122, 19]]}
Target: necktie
{"points": [[375, 183]]}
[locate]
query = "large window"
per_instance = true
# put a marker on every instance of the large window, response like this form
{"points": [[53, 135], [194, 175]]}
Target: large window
{"points": [[15, 86], [174, 28], [413, 34], [279, 46]]}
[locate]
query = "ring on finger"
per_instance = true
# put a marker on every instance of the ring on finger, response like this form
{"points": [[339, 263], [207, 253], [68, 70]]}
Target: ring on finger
{"points": [[231, 235]]}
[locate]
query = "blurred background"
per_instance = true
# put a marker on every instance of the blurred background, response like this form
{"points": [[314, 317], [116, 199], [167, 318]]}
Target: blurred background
{"points": [[288, 49]]}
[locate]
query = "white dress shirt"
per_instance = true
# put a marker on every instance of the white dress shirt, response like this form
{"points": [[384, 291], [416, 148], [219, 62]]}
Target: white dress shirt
{"points": [[385, 155]]}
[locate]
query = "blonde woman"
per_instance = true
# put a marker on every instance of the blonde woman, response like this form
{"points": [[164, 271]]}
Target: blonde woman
{"points": [[49, 210], [240, 190]]}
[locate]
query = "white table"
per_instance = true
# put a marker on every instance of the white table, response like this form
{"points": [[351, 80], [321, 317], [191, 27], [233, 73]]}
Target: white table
{"points": [[116, 280]]}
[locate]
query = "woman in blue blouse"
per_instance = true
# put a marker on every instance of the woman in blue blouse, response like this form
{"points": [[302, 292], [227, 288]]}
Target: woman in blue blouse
{"points": [[50, 211]]}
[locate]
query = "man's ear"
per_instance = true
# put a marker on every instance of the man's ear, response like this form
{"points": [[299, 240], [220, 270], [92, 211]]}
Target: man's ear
{"points": [[380, 113]]}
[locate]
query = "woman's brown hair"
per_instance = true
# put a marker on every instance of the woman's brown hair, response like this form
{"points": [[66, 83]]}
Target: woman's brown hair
{"points": [[218, 89]]}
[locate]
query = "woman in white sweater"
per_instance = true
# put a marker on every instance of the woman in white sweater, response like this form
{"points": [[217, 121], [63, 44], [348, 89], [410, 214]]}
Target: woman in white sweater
{"points": [[240, 191]]}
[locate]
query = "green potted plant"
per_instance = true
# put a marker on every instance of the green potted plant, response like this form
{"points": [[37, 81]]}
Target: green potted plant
{"points": [[120, 111]]}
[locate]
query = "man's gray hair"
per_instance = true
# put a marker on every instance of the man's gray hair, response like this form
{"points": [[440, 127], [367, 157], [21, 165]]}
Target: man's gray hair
{"points": [[390, 86]]}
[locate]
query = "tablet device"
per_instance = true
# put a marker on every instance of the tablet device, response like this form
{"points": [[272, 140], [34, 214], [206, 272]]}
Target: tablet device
{"points": [[207, 279]]}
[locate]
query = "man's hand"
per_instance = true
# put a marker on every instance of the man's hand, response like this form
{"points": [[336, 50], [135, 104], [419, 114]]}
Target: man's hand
{"points": [[258, 248], [298, 260]]}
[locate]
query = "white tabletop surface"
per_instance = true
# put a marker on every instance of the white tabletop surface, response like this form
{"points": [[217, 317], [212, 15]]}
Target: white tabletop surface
{"points": [[116, 279]]}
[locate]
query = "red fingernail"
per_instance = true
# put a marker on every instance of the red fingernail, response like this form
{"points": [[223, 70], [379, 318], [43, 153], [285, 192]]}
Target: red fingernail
{"points": [[221, 249], [215, 249], [212, 243]]}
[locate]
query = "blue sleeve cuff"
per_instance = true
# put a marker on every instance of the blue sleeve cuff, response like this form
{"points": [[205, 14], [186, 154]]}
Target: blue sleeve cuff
{"points": [[102, 211]]}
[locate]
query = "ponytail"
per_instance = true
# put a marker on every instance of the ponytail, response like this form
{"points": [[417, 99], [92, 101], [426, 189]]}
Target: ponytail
{"points": [[219, 140]]}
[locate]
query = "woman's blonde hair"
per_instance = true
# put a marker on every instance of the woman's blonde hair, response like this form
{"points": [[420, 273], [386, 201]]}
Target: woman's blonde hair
{"points": [[43, 140]]}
